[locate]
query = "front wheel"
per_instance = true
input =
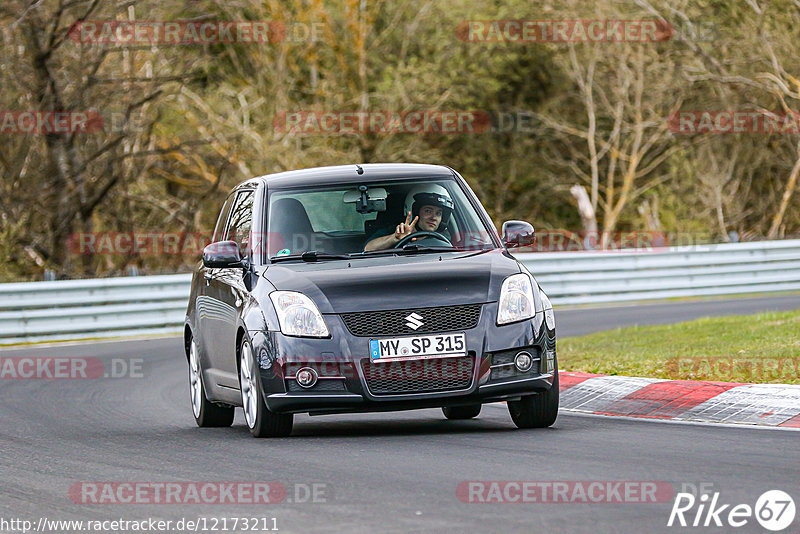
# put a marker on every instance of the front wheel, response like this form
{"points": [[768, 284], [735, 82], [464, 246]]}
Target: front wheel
{"points": [[206, 413], [536, 411], [261, 422]]}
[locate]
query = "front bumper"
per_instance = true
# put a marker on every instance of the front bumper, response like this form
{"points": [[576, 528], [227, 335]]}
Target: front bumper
{"points": [[346, 385]]}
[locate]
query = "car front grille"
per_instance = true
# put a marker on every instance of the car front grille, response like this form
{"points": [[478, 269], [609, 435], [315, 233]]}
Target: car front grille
{"points": [[418, 376], [393, 322], [322, 385]]}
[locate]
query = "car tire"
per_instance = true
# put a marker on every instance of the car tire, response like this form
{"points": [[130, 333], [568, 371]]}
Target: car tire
{"points": [[206, 413], [260, 420], [462, 412], [536, 411]]}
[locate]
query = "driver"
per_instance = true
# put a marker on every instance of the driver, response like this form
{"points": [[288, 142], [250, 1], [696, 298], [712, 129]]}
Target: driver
{"points": [[430, 206]]}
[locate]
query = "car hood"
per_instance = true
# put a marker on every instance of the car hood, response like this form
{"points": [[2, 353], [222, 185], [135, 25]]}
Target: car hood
{"points": [[397, 282]]}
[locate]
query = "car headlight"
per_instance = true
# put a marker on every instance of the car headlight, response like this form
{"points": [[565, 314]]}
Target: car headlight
{"points": [[516, 299], [298, 315], [549, 316]]}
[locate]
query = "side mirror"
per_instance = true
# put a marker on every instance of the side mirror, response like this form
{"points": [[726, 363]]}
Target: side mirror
{"points": [[518, 234], [222, 254]]}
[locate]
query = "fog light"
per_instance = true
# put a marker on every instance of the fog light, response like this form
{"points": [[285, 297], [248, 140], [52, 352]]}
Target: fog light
{"points": [[306, 377], [523, 362]]}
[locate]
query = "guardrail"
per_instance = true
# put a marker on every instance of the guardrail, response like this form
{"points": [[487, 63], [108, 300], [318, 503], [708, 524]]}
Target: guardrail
{"points": [[698, 270], [79, 309]]}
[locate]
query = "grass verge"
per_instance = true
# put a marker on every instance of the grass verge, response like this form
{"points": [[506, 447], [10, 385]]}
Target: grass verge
{"points": [[761, 348]]}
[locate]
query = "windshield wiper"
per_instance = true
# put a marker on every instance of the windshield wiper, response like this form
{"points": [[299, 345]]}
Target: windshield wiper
{"points": [[411, 248], [311, 256], [374, 252]]}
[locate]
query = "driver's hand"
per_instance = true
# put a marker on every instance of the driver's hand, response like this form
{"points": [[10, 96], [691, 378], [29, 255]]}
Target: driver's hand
{"points": [[406, 228]]}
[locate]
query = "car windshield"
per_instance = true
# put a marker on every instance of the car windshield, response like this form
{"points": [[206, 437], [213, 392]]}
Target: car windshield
{"points": [[339, 221]]}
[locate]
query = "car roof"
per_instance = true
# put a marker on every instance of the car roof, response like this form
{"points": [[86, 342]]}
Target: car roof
{"points": [[349, 173]]}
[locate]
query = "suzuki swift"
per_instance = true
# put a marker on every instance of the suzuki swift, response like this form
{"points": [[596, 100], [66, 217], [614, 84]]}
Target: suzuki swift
{"points": [[365, 288]]}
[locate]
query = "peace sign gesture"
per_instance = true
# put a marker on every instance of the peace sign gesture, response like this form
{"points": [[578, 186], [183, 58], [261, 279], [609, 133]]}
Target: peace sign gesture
{"points": [[406, 228]]}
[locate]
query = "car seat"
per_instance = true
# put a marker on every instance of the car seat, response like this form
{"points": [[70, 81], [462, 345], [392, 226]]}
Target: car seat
{"points": [[289, 227]]}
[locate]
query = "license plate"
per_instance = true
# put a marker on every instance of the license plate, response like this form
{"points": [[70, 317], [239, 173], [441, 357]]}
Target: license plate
{"points": [[418, 347]]}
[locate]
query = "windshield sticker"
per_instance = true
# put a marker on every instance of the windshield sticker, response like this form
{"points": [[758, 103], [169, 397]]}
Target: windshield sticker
{"points": [[283, 252]]}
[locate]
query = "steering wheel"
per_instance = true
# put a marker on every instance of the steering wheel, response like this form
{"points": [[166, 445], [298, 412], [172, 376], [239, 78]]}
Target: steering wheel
{"points": [[423, 234]]}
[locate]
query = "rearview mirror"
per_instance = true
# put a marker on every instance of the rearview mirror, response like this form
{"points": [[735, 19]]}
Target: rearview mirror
{"points": [[367, 200], [222, 254], [518, 234]]}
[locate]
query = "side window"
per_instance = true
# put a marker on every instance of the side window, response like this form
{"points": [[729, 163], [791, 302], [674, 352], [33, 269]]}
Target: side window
{"points": [[223, 218], [241, 220]]}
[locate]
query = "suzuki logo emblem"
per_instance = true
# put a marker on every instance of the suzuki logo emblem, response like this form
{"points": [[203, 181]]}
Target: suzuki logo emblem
{"points": [[414, 321]]}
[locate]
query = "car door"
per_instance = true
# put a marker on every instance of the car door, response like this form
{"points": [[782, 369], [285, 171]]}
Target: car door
{"points": [[226, 294], [207, 305]]}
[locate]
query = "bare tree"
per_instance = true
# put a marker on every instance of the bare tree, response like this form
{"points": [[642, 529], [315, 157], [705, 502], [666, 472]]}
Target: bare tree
{"points": [[626, 99], [71, 174], [761, 77]]}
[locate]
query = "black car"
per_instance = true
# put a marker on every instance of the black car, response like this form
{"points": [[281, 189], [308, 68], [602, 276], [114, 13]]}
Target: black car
{"points": [[365, 288]]}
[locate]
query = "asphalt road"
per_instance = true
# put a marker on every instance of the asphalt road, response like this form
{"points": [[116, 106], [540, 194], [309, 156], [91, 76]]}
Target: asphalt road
{"points": [[374, 472]]}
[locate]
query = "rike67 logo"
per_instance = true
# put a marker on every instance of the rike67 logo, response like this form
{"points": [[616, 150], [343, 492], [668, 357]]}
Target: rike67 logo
{"points": [[774, 510]]}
